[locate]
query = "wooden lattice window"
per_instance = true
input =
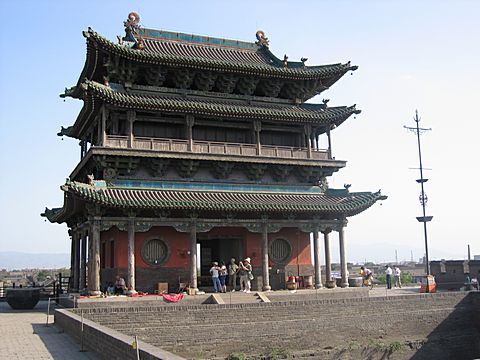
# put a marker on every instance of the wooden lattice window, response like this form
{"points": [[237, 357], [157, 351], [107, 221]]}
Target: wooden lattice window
{"points": [[154, 251], [280, 250]]}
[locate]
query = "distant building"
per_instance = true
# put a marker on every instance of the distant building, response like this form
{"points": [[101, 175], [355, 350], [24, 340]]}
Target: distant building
{"points": [[476, 257]]}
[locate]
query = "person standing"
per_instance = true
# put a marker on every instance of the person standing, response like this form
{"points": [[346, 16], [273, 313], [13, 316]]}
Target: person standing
{"points": [[222, 275], [245, 269], [396, 274], [232, 274], [389, 273], [214, 271]]}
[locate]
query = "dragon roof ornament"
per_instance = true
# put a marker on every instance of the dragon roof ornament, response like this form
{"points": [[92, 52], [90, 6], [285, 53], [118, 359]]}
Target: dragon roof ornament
{"points": [[132, 27], [262, 40]]}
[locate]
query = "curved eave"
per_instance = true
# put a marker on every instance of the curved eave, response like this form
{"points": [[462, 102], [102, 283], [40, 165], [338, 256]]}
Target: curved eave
{"points": [[311, 113], [85, 117], [263, 70], [63, 214], [348, 205]]}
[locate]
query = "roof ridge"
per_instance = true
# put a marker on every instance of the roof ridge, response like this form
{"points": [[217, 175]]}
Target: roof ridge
{"points": [[195, 39]]}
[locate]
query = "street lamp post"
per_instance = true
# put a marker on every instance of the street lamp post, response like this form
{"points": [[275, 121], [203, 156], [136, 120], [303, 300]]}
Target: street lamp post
{"points": [[423, 198]]}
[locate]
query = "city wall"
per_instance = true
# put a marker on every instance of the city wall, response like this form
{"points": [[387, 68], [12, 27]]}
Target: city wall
{"points": [[423, 326]]}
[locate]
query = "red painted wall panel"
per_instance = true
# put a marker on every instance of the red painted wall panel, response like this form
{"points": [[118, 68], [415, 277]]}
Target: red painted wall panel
{"points": [[179, 245]]}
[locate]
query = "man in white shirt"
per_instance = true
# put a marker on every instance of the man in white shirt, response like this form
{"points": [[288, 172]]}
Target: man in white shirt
{"points": [[397, 272], [389, 273]]}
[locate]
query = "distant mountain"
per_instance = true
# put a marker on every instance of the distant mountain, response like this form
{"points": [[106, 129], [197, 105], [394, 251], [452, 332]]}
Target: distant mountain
{"points": [[19, 260]]}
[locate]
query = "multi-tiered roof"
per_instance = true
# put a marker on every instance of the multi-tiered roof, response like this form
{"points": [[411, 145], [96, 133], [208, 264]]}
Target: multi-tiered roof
{"points": [[229, 81]]}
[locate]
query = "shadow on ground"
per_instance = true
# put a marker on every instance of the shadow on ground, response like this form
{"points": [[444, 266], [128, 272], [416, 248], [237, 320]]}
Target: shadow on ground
{"points": [[457, 337]]}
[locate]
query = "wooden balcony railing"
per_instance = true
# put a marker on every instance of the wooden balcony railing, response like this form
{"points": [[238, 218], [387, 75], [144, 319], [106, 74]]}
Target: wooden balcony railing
{"points": [[211, 147]]}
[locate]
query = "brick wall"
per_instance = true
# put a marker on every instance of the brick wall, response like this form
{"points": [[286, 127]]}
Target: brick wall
{"points": [[453, 276], [444, 325], [107, 343]]}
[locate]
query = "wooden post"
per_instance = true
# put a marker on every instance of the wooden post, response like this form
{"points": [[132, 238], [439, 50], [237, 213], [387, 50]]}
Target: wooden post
{"points": [[72, 259], [343, 258], [94, 260], [257, 127], [193, 255], [328, 261], [103, 126], [76, 260], [131, 256], [308, 131], [316, 256], [189, 124], [265, 270], [131, 115], [329, 142], [83, 260]]}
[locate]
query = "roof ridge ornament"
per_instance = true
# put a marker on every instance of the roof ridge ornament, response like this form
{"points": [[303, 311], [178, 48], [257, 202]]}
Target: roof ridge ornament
{"points": [[262, 39], [132, 28]]}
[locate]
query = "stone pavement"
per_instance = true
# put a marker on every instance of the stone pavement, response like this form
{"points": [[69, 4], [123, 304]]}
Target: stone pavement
{"points": [[25, 336], [381, 290]]}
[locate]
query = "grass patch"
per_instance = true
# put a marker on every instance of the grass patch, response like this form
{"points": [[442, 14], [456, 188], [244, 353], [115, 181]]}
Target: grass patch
{"points": [[236, 356], [395, 346], [377, 345], [278, 353]]}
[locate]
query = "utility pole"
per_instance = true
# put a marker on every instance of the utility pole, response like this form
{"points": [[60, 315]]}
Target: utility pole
{"points": [[423, 198]]}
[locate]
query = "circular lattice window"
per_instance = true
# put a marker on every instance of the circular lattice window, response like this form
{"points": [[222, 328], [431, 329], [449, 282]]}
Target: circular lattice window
{"points": [[154, 251], [280, 250]]}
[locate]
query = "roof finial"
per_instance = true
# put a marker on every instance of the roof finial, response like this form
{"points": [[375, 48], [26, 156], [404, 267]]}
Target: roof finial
{"points": [[285, 60], [131, 29], [262, 39]]}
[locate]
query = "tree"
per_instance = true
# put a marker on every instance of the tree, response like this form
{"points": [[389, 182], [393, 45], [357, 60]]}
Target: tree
{"points": [[42, 275]]}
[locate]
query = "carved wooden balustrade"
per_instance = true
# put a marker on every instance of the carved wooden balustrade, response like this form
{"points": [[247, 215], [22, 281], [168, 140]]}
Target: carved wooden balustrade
{"points": [[211, 147]]}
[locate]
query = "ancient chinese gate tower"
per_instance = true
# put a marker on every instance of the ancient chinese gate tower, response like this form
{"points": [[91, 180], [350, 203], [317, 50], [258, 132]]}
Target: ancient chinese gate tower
{"points": [[197, 149]]}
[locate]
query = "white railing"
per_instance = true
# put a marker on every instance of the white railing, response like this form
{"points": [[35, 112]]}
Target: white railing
{"points": [[211, 147]]}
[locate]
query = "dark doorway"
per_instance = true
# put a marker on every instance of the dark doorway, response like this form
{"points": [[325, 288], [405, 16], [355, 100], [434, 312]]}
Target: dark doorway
{"points": [[218, 249]]}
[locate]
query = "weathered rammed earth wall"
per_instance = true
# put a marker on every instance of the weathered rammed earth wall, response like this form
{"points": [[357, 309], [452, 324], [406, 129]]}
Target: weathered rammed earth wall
{"points": [[424, 326]]}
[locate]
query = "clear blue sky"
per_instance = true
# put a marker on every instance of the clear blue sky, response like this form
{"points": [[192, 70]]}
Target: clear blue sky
{"points": [[412, 54]]}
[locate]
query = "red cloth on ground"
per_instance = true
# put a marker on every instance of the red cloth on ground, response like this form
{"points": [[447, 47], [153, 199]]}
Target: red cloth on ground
{"points": [[173, 298]]}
